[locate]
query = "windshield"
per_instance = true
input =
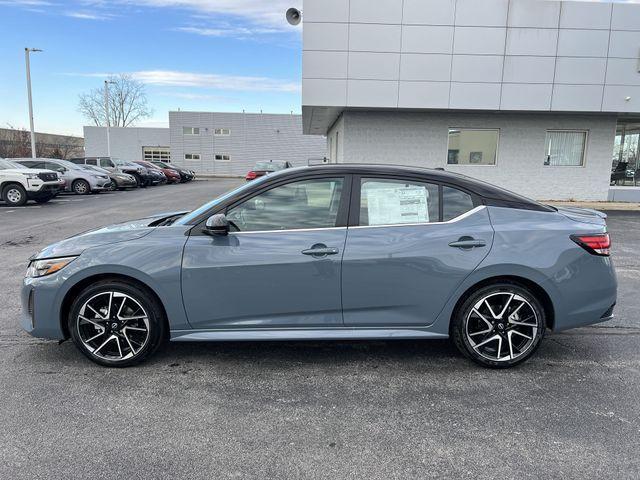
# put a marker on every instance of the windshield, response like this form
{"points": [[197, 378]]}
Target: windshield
{"points": [[65, 164], [269, 166], [9, 165], [94, 168], [189, 217]]}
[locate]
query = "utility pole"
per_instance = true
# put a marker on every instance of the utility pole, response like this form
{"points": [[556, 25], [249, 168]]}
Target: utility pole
{"points": [[106, 110], [27, 52]]}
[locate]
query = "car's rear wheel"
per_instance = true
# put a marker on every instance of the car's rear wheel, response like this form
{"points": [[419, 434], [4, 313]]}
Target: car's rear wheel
{"points": [[14, 194], [81, 187], [500, 325], [116, 323]]}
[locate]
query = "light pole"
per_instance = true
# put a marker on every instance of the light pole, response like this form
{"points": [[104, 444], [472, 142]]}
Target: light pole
{"points": [[106, 110], [27, 51]]}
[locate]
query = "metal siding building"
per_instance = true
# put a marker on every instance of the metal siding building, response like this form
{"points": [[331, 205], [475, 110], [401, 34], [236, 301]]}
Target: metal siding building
{"points": [[252, 137], [126, 143], [430, 82], [247, 139]]}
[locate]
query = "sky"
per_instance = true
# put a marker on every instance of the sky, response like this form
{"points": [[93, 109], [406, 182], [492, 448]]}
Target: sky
{"points": [[203, 55]]}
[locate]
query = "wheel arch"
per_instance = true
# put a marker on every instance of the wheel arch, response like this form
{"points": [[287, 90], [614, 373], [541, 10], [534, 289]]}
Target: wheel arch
{"points": [[6, 183], [72, 293], [540, 293]]}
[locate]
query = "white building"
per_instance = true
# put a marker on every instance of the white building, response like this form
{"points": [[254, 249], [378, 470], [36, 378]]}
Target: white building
{"points": [[531, 95], [218, 143]]}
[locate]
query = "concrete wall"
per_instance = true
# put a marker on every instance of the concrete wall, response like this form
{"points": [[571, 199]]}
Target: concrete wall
{"points": [[511, 55], [421, 139], [253, 138], [126, 143]]}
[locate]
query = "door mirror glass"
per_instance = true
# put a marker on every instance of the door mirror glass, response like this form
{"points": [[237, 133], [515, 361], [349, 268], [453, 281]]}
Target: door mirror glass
{"points": [[217, 225], [61, 169]]}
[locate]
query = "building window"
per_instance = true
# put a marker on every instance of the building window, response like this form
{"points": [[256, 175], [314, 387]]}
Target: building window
{"points": [[156, 154], [469, 146], [565, 148], [222, 132], [190, 131], [222, 157], [192, 156]]}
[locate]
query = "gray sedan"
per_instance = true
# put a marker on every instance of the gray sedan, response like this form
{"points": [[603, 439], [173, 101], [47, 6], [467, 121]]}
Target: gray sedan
{"points": [[330, 252], [78, 180]]}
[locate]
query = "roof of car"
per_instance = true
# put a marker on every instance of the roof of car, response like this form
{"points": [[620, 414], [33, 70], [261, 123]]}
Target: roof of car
{"points": [[496, 195]]}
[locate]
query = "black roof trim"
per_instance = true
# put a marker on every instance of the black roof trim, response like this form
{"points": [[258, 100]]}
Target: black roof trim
{"points": [[491, 194]]}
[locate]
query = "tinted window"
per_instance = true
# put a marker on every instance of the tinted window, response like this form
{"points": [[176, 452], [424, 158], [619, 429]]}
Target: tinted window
{"points": [[393, 202], [105, 163], [92, 161], [304, 204], [455, 203]]}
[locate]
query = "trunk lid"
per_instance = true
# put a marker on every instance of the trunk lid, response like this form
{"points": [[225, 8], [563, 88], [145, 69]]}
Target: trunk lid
{"points": [[584, 215]]}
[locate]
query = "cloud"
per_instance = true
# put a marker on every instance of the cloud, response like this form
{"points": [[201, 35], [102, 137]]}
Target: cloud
{"points": [[237, 32], [172, 78], [262, 12], [26, 3], [90, 16]]}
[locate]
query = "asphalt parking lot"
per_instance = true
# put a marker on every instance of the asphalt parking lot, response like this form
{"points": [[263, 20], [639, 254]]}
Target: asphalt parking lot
{"points": [[376, 410]]}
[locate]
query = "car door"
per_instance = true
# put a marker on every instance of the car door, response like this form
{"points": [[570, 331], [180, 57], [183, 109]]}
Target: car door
{"points": [[409, 245], [279, 266]]}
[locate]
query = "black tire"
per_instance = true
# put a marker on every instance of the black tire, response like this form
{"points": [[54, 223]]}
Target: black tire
{"points": [[137, 297], [14, 194], [81, 187], [44, 199], [468, 324]]}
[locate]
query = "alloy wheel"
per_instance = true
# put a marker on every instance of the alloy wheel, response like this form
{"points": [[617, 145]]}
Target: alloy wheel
{"points": [[81, 187], [113, 326], [502, 326]]}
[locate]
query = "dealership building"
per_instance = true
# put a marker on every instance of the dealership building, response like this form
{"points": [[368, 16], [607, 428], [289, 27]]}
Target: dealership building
{"points": [[540, 97], [217, 143]]}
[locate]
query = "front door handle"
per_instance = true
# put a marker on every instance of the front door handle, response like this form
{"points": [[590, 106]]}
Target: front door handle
{"points": [[320, 250], [467, 242]]}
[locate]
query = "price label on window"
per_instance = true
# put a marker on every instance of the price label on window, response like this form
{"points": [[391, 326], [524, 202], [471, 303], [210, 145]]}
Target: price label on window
{"points": [[396, 204]]}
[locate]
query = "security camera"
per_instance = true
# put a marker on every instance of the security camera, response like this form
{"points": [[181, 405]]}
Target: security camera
{"points": [[294, 16]]}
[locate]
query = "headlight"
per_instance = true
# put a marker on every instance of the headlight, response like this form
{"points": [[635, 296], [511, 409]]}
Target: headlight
{"points": [[47, 266], [31, 176]]}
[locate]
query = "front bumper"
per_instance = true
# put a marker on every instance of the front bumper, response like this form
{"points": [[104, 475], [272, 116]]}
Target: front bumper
{"points": [[43, 190], [38, 295]]}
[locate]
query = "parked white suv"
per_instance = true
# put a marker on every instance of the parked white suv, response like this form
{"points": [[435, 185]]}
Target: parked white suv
{"points": [[19, 184]]}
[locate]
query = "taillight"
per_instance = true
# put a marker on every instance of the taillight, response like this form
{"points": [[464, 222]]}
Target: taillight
{"points": [[595, 243], [251, 176]]}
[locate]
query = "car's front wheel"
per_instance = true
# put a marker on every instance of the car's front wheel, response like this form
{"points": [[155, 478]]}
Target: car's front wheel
{"points": [[500, 325], [81, 187], [15, 195], [116, 323]]}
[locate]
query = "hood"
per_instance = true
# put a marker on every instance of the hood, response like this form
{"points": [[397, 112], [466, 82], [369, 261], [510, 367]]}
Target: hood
{"points": [[120, 232], [27, 170], [584, 215]]}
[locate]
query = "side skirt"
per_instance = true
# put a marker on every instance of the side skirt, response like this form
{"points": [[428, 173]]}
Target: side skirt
{"points": [[268, 334]]}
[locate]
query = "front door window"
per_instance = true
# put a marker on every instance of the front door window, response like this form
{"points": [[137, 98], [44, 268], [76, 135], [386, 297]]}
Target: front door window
{"points": [[298, 205]]}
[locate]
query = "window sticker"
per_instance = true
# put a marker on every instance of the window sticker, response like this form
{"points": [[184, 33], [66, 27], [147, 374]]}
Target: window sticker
{"points": [[390, 204]]}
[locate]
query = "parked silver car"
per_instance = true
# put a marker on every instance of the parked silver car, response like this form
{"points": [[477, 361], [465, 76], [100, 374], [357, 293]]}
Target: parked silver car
{"points": [[78, 180]]}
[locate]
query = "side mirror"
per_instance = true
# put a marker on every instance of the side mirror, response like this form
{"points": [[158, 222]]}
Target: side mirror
{"points": [[217, 225], [61, 169]]}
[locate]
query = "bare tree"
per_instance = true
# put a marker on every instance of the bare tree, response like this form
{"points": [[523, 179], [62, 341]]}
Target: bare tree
{"points": [[127, 102], [14, 143]]}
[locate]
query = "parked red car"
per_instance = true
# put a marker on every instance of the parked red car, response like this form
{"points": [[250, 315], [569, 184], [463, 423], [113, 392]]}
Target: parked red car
{"points": [[264, 168], [172, 175]]}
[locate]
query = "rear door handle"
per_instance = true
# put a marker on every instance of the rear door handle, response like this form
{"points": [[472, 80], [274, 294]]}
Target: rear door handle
{"points": [[468, 242], [320, 250]]}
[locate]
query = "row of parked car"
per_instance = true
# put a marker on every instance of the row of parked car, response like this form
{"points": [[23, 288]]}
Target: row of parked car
{"points": [[41, 179]]}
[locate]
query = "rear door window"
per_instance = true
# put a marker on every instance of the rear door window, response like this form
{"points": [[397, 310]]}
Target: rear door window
{"points": [[455, 203], [397, 202]]}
